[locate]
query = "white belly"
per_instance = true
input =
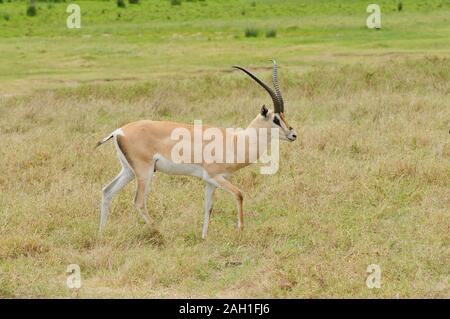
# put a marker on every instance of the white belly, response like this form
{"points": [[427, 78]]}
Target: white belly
{"points": [[167, 166]]}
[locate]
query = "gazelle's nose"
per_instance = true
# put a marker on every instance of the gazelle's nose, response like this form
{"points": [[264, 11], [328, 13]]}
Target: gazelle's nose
{"points": [[292, 136]]}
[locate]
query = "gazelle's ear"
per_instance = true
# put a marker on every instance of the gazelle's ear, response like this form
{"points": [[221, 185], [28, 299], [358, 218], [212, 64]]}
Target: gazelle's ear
{"points": [[264, 111]]}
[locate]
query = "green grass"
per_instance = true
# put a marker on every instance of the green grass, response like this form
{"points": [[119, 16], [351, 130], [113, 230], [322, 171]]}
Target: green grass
{"points": [[144, 41], [272, 33], [366, 182], [121, 4], [251, 33]]}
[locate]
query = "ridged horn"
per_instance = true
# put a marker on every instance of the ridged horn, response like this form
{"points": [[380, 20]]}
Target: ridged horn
{"points": [[276, 86], [273, 95]]}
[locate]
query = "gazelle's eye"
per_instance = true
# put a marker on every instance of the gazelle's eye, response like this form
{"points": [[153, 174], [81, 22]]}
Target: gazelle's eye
{"points": [[276, 121]]}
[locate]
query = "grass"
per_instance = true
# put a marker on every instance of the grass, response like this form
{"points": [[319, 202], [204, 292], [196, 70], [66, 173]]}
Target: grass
{"points": [[251, 33], [272, 33], [121, 4], [366, 182], [31, 10]]}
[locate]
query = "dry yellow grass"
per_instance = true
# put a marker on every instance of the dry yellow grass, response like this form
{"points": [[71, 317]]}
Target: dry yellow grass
{"points": [[367, 182]]}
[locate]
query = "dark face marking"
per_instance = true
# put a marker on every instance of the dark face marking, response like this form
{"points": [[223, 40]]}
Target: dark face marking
{"points": [[276, 121]]}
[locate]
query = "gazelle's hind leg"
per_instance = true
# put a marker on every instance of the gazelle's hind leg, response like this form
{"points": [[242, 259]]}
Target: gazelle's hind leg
{"points": [[119, 182], [124, 177], [144, 176]]}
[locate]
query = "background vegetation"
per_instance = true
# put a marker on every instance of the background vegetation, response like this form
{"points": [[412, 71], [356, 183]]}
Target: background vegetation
{"points": [[367, 181]]}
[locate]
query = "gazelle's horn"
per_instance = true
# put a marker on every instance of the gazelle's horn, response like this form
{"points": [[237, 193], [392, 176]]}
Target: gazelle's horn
{"points": [[273, 95], [276, 86]]}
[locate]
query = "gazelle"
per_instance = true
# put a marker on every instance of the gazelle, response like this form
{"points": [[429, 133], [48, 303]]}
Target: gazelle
{"points": [[145, 146]]}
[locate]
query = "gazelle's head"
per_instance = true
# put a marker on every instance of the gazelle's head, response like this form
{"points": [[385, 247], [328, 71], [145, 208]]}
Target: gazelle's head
{"points": [[275, 118]]}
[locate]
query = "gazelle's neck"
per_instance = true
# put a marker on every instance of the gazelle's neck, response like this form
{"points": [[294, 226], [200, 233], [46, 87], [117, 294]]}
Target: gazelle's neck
{"points": [[256, 138]]}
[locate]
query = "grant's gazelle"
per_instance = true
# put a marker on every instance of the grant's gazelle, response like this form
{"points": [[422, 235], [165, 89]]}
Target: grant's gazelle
{"points": [[145, 147]]}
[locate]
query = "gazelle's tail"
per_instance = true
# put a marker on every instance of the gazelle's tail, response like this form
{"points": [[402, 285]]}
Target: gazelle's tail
{"points": [[106, 139]]}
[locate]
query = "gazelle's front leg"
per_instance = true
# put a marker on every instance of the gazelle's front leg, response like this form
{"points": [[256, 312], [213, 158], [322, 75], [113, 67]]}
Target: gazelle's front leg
{"points": [[209, 193], [226, 185]]}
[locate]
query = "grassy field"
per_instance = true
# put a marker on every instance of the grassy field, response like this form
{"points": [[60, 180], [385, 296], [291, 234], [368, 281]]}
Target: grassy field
{"points": [[367, 182]]}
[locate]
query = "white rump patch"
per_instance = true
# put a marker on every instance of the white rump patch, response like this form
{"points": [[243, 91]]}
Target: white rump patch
{"points": [[119, 131]]}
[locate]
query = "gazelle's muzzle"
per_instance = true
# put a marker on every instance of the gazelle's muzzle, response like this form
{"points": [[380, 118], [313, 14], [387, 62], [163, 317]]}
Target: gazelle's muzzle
{"points": [[291, 135]]}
